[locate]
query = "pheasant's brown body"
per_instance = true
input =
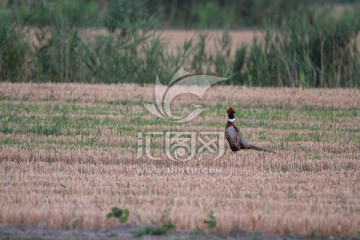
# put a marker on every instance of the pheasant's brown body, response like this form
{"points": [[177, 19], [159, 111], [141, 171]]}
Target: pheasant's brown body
{"points": [[234, 136]]}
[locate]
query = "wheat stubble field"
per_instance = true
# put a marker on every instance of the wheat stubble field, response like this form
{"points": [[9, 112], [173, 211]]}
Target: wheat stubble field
{"points": [[68, 155]]}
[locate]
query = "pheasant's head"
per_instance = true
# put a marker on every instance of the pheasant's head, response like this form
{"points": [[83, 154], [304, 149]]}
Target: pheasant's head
{"points": [[231, 115]]}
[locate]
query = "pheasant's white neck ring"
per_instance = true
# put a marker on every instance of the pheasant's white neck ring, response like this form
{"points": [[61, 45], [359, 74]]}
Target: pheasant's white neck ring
{"points": [[232, 120]]}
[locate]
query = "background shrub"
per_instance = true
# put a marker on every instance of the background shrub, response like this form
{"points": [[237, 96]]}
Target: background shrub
{"points": [[307, 44], [13, 48], [308, 51]]}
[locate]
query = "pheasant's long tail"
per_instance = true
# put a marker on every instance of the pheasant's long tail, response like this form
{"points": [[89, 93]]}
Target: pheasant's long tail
{"points": [[258, 148]]}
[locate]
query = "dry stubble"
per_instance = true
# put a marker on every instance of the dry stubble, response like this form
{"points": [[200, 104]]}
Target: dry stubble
{"points": [[72, 178]]}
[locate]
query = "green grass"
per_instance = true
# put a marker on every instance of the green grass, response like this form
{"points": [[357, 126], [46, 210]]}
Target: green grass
{"points": [[87, 115], [166, 228], [77, 120]]}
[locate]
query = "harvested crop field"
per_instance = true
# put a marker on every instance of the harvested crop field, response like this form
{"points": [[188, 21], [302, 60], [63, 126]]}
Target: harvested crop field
{"points": [[69, 153]]}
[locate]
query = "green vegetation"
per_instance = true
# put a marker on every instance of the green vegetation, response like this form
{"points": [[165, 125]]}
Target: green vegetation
{"points": [[308, 51], [174, 14], [87, 116], [166, 228], [307, 123], [121, 215], [210, 222], [307, 44]]}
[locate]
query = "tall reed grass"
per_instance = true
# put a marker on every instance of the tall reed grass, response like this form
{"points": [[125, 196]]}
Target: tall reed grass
{"points": [[308, 49]]}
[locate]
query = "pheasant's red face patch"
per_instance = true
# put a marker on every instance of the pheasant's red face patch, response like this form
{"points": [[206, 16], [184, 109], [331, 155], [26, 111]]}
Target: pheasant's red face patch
{"points": [[230, 110]]}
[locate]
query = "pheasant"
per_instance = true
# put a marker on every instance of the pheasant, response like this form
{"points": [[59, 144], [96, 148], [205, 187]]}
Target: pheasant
{"points": [[234, 136]]}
